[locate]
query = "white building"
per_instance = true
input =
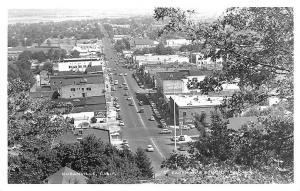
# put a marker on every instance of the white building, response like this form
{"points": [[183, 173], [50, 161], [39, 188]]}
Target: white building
{"points": [[159, 59], [78, 64], [199, 59], [176, 43]]}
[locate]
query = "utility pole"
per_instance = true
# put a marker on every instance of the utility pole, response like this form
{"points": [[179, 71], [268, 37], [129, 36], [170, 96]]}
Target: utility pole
{"points": [[175, 146]]}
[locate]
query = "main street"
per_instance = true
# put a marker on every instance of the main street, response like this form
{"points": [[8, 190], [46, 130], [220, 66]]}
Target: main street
{"points": [[139, 131]]}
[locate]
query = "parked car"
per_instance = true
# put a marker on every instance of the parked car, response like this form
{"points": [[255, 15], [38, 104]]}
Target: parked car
{"points": [[118, 109], [120, 74], [181, 138], [165, 131], [192, 126], [118, 117], [126, 94], [185, 127], [131, 104], [152, 118], [140, 103], [149, 148], [129, 98], [124, 83], [125, 88], [125, 74], [173, 138], [121, 123], [142, 110]]}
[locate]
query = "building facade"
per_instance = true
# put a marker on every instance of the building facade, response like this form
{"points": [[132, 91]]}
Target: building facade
{"points": [[187, 106], [79, 64]]}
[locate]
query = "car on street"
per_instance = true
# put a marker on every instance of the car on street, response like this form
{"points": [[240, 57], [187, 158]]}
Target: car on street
{"points": [[125, 74], [149, 148], [141, 103], [181, 138], [120, 74], [126, 94], [124, 83], [131, 104], [120, 86], [191, 126], [121, 123], [141, 110], [118, 117], [125, 88], [165, 131], [173, 138], [185, 127], [152, 118], [118, 109], [129, 98]]}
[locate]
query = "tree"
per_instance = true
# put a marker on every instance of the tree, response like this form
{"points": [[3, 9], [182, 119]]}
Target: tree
{"points": [[94, 120], [48, 66], [256, 45], [143, 163], [55, 95], [75, 54]]}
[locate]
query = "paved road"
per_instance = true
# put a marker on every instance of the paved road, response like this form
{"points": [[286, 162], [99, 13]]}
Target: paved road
{"points": [[139, 131]]}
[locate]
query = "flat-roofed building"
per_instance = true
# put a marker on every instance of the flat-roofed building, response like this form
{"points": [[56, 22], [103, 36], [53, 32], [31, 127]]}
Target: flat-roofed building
{"points": [[77, 85], [159, 59], [200, 60], [79, 64], [187, 106]]}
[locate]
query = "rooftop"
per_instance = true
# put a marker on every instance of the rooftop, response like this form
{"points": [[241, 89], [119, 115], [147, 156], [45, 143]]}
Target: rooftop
{"points": [[94, 69], [196, 100], [68, 78], [171, 75], [140, 41], [87, 101]]}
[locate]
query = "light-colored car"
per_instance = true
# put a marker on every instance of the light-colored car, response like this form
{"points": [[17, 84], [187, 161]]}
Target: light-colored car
{"points": [[152, 118], [192, 126], [165, 131], [118, 109], [120, 74], [129, 98], [185, 127], [124, 83], [121, 123], [149, 148], [125, 74]]}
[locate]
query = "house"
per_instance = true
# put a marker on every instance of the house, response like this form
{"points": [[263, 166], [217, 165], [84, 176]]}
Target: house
{"points": [[187, 106], [79, 64], [77, 85], [177, 43], [66, 176]]}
